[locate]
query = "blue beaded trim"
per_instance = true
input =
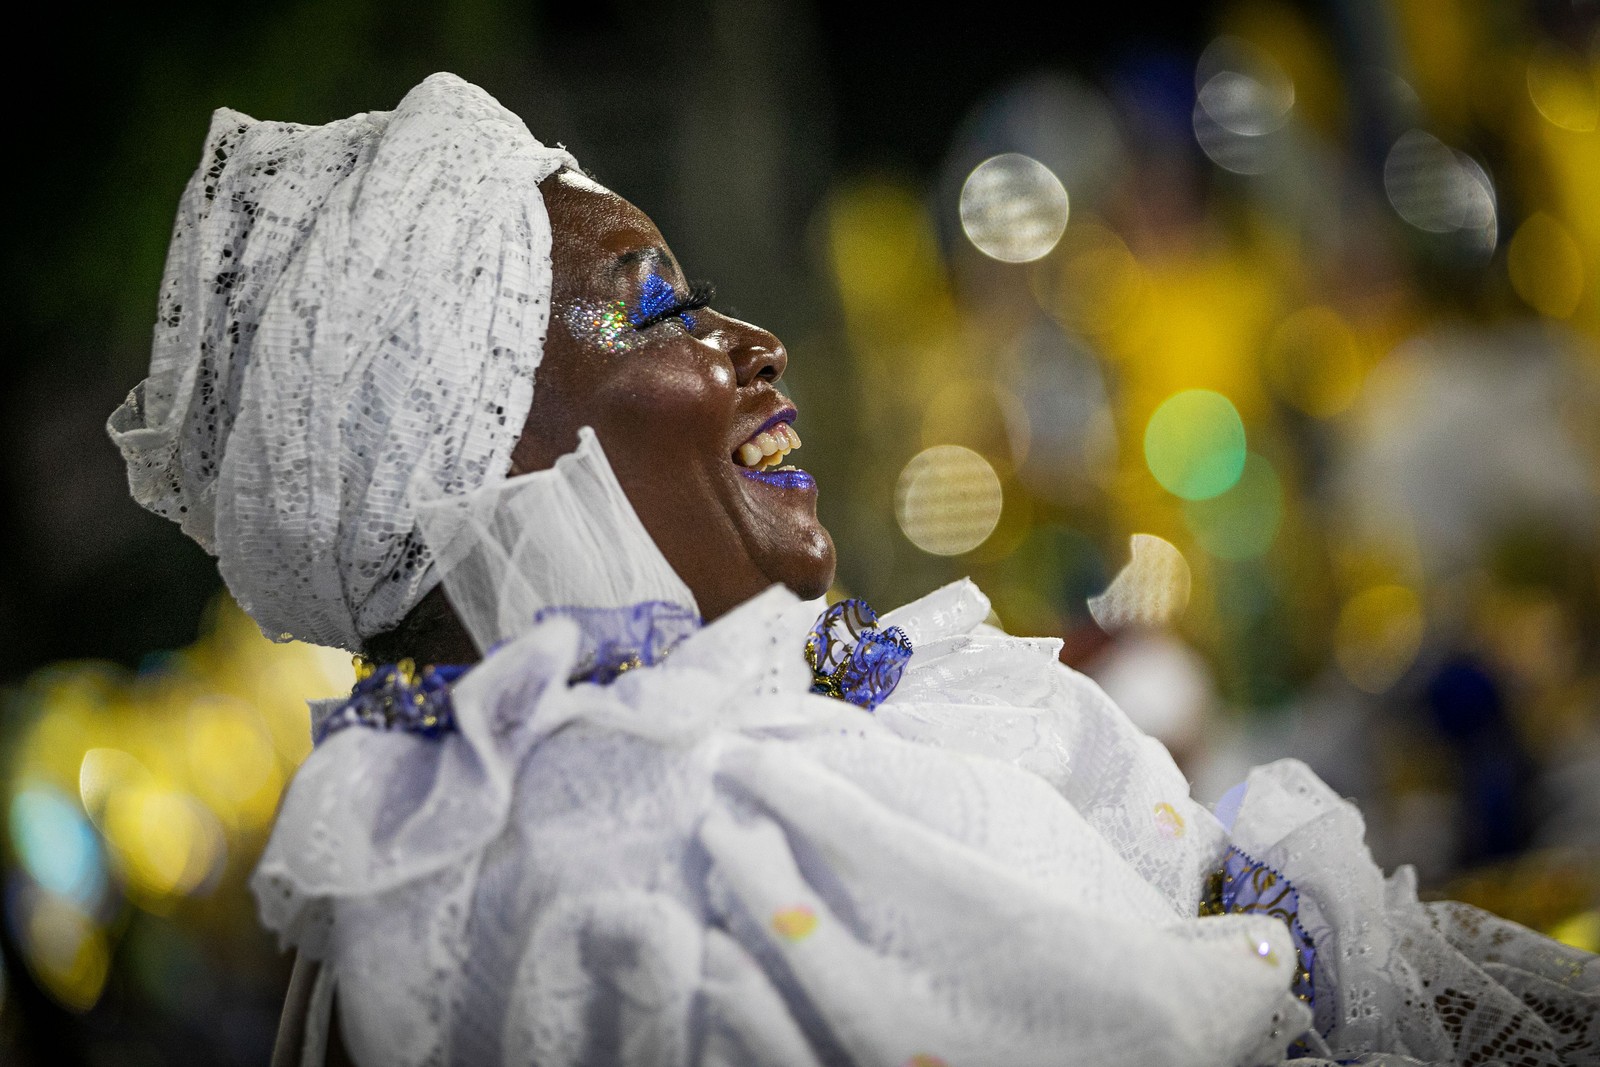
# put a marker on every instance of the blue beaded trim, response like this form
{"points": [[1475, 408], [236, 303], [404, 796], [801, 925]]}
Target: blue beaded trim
{"points": [[616, 640], [397, 696], [1246, 885], [851, 659]]}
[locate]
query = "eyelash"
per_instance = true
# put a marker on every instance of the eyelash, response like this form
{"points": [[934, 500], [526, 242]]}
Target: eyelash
{"points": [[701, 294]]}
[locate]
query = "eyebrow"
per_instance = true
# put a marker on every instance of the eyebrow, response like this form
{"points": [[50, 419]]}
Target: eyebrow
{"points": [[651, 253]]}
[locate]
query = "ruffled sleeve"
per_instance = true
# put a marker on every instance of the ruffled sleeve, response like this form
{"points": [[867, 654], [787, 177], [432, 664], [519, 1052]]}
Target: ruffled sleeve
{"points": [[992, 927], [1440, 983]]}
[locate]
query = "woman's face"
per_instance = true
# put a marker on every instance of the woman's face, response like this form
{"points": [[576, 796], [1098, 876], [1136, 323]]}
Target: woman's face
{"points": [[683, 399]]}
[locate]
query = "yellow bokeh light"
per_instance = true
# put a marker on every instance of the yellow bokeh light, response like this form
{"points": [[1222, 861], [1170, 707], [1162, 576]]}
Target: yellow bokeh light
{"points": [[1563, 89], [167, 844], [1378, 634], [980, 415], [1546, 266], [77, 699], [232, 762], [1581, 931], [881, 247], [1092, 282], [283, 686], [948, 500], [1314, 362], [65, 950], [103, 773]]}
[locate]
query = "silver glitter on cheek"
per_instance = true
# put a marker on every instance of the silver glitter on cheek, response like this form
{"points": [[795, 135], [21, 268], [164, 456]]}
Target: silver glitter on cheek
{"points": [[603, 324]]}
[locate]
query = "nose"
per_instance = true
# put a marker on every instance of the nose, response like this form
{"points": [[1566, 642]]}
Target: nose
{"points": [[756, 354]]}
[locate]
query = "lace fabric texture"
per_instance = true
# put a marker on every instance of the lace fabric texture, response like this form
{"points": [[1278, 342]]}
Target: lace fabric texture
{"points": [[703, 862], [1439, 983], [346, 310]]}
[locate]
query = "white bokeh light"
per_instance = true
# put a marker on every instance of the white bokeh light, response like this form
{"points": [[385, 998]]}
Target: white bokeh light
{"points": [[1439, 189], [1152, 590], [1014, 208], [1242, 97]]}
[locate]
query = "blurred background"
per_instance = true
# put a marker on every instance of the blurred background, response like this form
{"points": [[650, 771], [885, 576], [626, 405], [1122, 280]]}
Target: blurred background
{"points": [[1306, 295]]}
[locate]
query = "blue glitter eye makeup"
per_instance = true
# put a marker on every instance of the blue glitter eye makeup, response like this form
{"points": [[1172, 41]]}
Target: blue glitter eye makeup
{"points": [[617, 327], [659, 301]]}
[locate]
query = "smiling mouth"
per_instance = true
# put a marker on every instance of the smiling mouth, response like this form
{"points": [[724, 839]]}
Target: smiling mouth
{"points": [[760, 457], [766, 448]]}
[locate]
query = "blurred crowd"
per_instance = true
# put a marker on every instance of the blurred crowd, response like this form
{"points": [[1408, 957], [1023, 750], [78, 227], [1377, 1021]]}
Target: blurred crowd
{"points": [[1308, 299]]}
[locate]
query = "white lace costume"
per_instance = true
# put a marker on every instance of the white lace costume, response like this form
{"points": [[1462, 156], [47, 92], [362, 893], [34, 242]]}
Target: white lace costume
{"points": [[703, 862]]}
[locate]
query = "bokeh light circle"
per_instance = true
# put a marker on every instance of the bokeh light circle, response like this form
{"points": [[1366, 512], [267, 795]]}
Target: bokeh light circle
{"points": [[1251, 92], [231, 761], [56, 845], [1236, 152], [1152, 590], [1194, 444], [1546, 266], [1377, 637], [67, 950], [1438, 189], [1013, 208], [1244, 105], [1093, 284], [166, 842], [948, 500], [1242, 97], [1562, 88], [1242, 523], [1314, 361]]}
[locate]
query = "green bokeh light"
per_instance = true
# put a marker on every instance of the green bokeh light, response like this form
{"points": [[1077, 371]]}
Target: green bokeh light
{"points": [[1194, 444], [1241, 523]]}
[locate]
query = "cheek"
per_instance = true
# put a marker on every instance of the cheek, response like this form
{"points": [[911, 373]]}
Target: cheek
{"points": [[673, 405]]}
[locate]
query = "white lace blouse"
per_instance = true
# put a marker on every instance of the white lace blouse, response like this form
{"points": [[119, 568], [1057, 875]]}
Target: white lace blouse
{"points": [[703, 862]]}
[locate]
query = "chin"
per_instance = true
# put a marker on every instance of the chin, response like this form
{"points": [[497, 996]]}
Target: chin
{"points": [[808, 573]]}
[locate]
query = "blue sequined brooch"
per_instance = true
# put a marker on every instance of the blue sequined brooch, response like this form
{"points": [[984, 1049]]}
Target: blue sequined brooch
{"points": [[851, 659], [1242, 884], [396, 696]]}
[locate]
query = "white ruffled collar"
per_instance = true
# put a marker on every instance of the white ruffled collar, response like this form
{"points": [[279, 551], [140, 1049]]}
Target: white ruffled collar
{"points": [[564, 538]]}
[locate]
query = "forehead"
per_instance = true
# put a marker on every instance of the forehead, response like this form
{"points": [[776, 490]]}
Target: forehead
{"points": [[593, 229]]}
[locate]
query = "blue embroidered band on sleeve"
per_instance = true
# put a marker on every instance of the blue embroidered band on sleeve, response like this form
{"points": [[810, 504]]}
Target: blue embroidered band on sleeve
{"points": [[1246, 885]]}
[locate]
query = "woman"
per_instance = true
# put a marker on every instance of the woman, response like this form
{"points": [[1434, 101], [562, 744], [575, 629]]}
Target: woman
{"points": [[673, 815]]}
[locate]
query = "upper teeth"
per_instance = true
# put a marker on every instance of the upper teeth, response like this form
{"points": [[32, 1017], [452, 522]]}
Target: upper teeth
{"points": [[767, 449]]}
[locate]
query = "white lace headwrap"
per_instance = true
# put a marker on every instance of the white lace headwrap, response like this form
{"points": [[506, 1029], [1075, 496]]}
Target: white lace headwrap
{"points": [[351, 314]]}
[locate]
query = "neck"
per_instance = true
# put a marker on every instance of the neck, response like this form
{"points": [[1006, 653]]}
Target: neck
{"points": [[430, 633]]}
